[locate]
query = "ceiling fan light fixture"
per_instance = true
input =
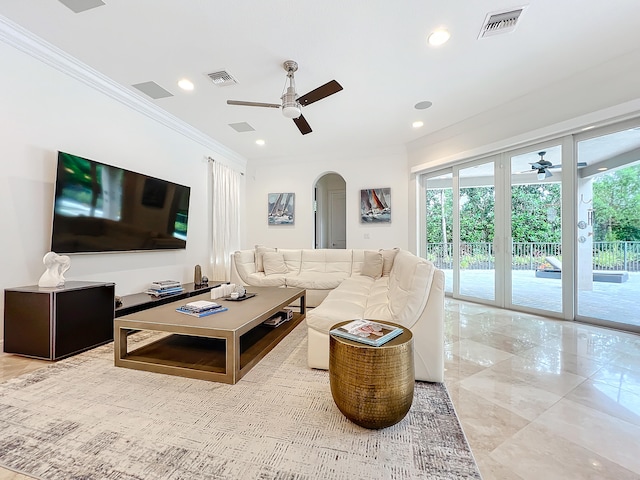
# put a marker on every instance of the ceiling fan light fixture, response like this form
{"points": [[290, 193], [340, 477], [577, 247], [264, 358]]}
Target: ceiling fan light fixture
{"points": [[291, 111], [290, 106], [542, 174]]}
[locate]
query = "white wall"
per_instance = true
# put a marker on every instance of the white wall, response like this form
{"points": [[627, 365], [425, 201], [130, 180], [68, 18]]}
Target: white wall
{"points": [[44, 110], [376, 169]]}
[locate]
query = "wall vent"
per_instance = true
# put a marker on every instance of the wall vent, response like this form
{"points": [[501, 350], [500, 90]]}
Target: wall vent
{"points": [[222, 78], [501, 22]]}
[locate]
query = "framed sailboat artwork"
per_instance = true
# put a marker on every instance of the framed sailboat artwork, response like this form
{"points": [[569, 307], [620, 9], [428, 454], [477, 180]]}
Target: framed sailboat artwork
{"points": [[375, 205], [281, 208]]}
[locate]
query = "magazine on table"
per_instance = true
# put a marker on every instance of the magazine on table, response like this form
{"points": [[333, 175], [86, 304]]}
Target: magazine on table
{"points": [[161, 292], [367, 331], [201, 308], [165, 284]]}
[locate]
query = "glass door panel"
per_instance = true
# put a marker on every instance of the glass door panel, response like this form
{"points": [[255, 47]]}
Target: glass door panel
{"points": [[536, 229], [476, 206], [608, 233], [439, 224]]}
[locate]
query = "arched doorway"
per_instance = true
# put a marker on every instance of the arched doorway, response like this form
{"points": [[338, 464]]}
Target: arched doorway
{"points": [[330, 211]]}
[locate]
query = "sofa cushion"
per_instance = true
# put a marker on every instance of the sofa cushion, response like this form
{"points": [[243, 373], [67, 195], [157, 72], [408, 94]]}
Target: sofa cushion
{"points": [[345, 303], [259, 279], [316, 281], [388, 256], [291, 259], [372, 266], [273, 263], [260, 251]]}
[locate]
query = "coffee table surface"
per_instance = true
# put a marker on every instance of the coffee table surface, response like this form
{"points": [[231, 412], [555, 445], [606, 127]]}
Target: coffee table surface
{"points": [[240, 316], [221, 347]]}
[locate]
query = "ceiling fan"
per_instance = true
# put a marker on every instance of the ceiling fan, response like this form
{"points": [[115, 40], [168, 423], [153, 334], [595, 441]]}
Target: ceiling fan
{"points": [[543, 166], [292, 103]]}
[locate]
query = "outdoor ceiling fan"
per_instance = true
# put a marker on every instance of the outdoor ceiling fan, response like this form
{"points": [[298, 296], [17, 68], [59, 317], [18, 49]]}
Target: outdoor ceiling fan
{"points": [[543, 166], [292, 103]]}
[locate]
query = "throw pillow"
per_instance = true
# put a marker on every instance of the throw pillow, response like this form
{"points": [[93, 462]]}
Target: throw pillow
{"points": [[372, 266], [274, 263], [260, 251], [388, 257]]}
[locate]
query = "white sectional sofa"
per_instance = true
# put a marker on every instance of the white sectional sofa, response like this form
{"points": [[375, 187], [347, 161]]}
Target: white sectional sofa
{"points": [[392, 285]]}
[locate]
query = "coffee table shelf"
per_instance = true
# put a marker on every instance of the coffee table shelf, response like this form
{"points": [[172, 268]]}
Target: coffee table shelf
{"points": [[222, 347]]}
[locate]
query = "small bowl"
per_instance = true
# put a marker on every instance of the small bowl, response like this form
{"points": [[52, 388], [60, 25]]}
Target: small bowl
{"points": [[234, 295]]}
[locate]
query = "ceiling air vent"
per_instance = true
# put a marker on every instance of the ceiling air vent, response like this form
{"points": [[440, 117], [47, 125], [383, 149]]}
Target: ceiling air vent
{"points": [[222, 78], [500, 22]]}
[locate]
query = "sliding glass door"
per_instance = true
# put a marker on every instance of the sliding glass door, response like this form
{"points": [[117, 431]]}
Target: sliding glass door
{"points": [[475, 235], [608, 235], [438, 224], [536, 229], [552, 228]]}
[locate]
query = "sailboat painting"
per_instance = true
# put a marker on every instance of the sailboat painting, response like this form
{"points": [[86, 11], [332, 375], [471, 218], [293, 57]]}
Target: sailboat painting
{"points": [[375, 205], [281, 208]]}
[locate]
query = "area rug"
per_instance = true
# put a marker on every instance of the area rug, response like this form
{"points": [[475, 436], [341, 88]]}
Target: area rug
{"points": [[83, 418]]}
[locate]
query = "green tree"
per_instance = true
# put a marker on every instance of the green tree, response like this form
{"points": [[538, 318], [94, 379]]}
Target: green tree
{"points": [[535, 213], [616, 205]]}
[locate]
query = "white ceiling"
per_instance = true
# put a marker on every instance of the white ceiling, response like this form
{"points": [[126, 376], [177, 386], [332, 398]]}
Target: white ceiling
{"points": [[375, 49]]}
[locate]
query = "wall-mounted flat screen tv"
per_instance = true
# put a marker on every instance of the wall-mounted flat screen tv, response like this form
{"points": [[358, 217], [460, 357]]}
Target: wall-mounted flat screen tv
{"points": [[101, 208]]}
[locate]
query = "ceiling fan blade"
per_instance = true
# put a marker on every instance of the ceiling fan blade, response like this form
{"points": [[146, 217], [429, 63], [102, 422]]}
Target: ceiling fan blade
{"points": [[319, 93], [302, 125], [253, 104]]}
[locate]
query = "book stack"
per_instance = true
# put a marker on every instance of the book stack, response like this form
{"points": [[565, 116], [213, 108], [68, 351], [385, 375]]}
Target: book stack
{"points": [[163, 288], [366, 331], [201, 308], [279, 318]]}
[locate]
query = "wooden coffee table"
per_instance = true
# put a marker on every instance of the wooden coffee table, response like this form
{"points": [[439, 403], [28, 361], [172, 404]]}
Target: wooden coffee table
{"points": [[372, 386], [221, 347]]}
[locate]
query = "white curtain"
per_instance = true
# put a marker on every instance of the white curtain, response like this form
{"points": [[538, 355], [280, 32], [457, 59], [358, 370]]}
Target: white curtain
{"points": [[225, 218]]}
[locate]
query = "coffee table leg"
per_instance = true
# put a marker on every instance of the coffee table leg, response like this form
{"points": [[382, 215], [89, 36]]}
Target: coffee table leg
{"points": [[120, 345]]}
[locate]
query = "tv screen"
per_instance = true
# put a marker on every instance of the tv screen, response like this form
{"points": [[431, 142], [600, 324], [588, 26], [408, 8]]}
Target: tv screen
{"points": [[100, 208]]}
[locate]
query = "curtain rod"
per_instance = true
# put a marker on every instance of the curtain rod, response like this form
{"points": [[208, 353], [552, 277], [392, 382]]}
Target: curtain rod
{"points": [[213, 160]]}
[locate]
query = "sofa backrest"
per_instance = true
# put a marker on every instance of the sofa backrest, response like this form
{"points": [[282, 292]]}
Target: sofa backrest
{"points": [[327, 261], [243, 262], [409, 285]]}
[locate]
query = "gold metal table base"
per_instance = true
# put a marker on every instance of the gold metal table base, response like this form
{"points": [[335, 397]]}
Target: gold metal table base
{"points": [[372, 386]]}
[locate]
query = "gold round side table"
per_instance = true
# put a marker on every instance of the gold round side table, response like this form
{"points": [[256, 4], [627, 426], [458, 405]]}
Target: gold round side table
{"points": [[372, 386]]}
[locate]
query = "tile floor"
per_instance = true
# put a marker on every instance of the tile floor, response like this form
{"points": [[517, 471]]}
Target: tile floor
{"points": [[537, 398], [540, 398]]}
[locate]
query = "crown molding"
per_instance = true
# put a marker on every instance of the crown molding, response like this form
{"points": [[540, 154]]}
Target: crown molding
{"points": [[20, 38]]}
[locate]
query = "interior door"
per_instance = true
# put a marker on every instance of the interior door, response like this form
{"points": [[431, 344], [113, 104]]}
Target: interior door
{"points": [[337, 219]]}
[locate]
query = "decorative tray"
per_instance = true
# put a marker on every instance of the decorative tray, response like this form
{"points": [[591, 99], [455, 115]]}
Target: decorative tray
{"points": [[240, 299]]}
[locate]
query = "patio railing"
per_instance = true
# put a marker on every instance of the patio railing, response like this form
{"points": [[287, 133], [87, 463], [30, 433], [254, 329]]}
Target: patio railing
{"points": [[532, 255]]}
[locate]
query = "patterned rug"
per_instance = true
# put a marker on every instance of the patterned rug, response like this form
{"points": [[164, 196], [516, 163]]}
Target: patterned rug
{"points": [[83, 418]]}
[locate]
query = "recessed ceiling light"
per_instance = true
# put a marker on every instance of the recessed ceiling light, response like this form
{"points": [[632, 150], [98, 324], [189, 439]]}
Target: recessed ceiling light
{"points": [[588, 128], [602, 169], [422, 105], [260, 142], [417, 124], [438, 37], [185, 84]]}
